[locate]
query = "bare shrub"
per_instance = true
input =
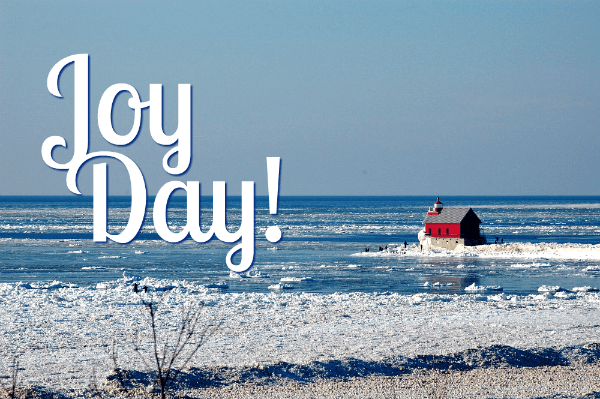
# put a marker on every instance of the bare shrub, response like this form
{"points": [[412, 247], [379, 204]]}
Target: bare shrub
{"points": [[167, 356]]}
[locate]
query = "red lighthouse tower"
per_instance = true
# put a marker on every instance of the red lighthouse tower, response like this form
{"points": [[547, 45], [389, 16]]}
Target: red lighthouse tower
{"points": [[437, 208]]}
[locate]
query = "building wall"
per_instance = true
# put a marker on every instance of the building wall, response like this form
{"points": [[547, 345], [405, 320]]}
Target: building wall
{"points": [[443, 229], [449, 243], [446, 243], [470, 228]]}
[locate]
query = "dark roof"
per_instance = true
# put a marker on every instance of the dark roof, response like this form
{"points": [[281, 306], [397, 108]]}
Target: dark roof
{"points": [[450, 215]]}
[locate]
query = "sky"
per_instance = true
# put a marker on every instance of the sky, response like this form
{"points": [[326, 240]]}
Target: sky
{"points": [[357, 98]]}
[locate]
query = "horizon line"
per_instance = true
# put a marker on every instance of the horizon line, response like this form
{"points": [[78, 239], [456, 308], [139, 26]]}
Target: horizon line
{"points": [[74, 196]]}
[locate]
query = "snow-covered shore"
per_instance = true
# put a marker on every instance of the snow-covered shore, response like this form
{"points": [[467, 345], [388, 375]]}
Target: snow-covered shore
{"points": [[515, 250], [63, 333]]}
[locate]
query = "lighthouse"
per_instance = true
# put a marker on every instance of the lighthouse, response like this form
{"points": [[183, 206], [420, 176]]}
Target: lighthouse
{"points": [[450, 227], [437, 208]]}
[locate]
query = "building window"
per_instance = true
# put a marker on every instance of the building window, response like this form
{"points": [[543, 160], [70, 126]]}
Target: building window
{"points": [[447, 232], [430, 231], [439, 232]]}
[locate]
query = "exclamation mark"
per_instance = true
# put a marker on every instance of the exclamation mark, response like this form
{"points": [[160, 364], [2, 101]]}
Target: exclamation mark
{"points": [[273, 233]]}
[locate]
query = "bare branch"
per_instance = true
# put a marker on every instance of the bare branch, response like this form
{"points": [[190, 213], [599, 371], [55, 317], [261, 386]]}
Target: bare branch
{"points": [[11, 391]]}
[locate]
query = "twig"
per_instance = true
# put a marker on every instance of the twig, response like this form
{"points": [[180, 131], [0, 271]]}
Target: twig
{"points": [[11, 391]]}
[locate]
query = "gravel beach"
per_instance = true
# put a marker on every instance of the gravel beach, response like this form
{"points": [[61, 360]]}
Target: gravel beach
{"points": [[537, 382], [572, 381]]}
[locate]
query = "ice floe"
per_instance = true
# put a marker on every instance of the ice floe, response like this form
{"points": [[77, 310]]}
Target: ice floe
{"points": [[295, 279], [475, 288], [281, 286], [553, 288]]}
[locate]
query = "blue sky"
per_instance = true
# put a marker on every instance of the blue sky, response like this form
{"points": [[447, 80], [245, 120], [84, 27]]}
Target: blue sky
{"points": [[357, 98]]}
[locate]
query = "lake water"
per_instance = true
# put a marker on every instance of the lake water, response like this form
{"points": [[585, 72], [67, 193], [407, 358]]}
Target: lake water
{"points": [[549, 241]]}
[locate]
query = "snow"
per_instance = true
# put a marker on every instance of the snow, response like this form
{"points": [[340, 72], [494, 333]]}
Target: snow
{"points": [[63, 332], [516, 250]]}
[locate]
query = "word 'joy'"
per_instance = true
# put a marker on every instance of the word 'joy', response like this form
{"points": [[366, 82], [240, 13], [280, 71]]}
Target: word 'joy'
{"points": [[182, 139]]}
